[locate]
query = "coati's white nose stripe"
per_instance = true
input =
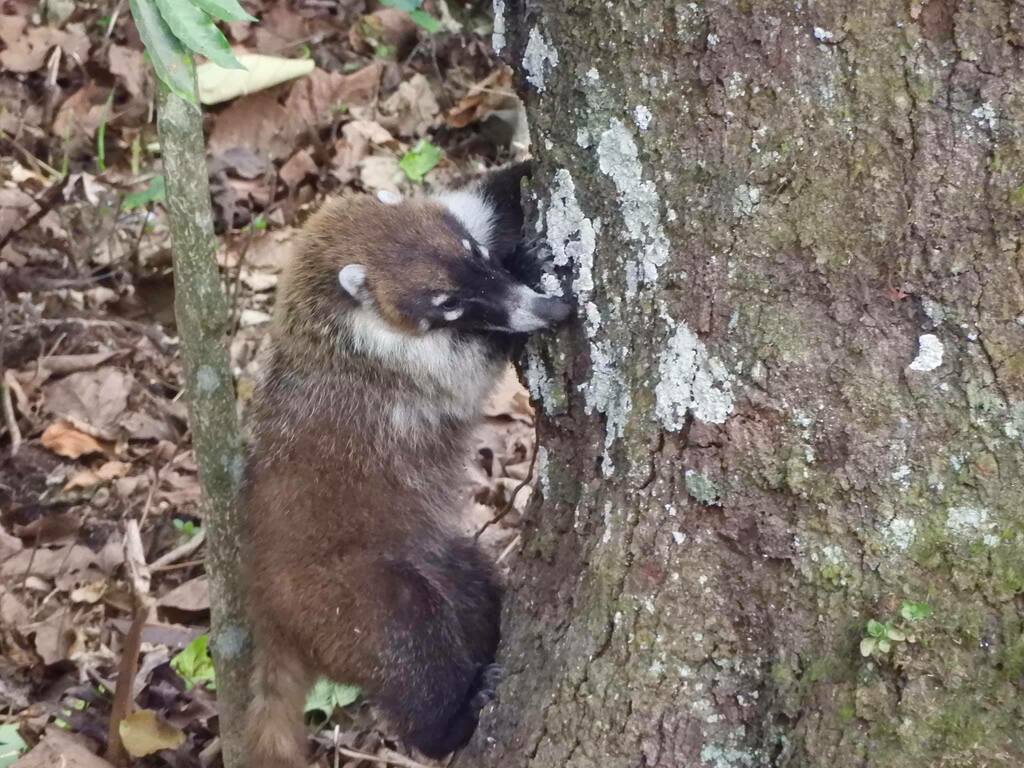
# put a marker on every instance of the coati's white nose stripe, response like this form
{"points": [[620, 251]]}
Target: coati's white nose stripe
{"points": [[440, 299], [454, 314], [520, 316]]}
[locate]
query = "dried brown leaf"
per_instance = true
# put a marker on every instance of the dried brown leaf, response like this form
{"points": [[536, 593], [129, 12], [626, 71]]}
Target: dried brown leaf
{"points": [[26, 48], [193, 596], [59, 749], [64, 440], [129, 65], [88, 478], [97, 398], [298, 168], [144, 733], [412, 110]]}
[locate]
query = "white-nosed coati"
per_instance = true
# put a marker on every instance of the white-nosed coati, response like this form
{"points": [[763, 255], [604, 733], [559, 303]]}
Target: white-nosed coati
{"points": [[393, 323]]}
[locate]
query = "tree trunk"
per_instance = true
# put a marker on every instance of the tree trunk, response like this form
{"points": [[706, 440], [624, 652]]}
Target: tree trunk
{"points": [[202, 319], [794, 399]]}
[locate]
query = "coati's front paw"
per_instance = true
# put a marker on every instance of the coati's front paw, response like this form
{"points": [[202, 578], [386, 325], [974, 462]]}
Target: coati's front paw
{"points": [[487, 685], [530, 261]]}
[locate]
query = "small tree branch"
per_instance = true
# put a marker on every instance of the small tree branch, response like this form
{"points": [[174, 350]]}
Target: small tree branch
{"points": [[202, 319]]}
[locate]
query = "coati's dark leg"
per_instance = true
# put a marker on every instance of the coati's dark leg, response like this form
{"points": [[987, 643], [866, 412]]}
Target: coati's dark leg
{"points": [[418, 634]]}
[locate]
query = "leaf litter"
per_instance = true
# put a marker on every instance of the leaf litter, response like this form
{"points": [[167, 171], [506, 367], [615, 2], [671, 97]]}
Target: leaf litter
{"points": [[99, 499]]}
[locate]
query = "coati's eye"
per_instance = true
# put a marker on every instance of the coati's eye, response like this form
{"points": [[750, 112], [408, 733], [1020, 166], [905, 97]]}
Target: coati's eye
{"points": [[444, 302]]}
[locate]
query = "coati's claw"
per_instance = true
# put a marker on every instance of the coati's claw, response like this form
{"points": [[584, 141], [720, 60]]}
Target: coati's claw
{"points": [[489, 679]]}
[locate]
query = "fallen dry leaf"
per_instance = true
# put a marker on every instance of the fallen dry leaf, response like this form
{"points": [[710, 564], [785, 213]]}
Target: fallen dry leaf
{"points": [[381, 172], [386, 26], [349, 151], [9, 545], [64, 440], [129, 65], [143, 733], [97, 398], [46, 562], [81, 113], [59, 749], [412, 110], [51, 528], [88, 478], [193, 596], [26, 48], [491, 94], [92, 592], [54, 636], [297, 169], [259, 121]]}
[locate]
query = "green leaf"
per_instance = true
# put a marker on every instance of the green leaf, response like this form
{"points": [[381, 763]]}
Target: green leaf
{"points": [[896, 635], [156, 192], [171, 62], [884, 646], [326, 695], [403, 5], [11, 744], [226, 10], [425, 21], [912, 611], [876, 628], [194, 664], [419, 160], [197, 31], [867, 646]]}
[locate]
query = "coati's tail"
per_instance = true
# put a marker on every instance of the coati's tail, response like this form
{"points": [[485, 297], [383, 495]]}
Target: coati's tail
{"points": [[276, 736]]}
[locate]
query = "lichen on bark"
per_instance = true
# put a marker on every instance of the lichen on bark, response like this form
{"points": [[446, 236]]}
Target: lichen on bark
{"points": [[836, 188]]}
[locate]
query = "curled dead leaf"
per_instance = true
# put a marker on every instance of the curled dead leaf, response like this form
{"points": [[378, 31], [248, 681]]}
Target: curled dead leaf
{"points": [[64, 440], [88, 478], [193, 596], [144, 733]]}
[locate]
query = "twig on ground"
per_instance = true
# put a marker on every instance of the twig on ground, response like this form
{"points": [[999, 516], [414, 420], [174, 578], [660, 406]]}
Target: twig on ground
{"points": [[507, 550], [10, 419], [143, 603], [384, 756], [179, 552]]}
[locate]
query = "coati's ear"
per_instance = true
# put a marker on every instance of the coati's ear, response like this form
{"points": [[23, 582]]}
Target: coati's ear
{"points": [[352, 278]]}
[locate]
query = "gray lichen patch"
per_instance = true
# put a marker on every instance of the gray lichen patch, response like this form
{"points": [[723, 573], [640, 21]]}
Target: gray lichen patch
{"points": [[606, 391], [498, 31], [639, 203], [689, 380], [570, 234], [702, 488], [971, 524], [539, 58], [929, 356]]}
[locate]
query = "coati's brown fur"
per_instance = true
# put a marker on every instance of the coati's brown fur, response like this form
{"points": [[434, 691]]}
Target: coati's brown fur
{"points": [[356, 567]]}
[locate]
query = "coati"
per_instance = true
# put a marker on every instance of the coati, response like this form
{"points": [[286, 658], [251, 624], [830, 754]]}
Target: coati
{"points": [[393, 322]]}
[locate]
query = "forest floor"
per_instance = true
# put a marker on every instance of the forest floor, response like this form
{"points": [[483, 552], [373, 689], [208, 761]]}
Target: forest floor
{"points": [[96, 468]]}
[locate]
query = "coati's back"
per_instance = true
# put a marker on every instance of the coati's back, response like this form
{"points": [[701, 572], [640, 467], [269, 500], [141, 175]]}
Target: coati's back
{"points": [[393, 323]]}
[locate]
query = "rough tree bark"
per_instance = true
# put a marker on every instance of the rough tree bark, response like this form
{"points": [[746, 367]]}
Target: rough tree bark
{"points": [[794, 398], [202, 319]]}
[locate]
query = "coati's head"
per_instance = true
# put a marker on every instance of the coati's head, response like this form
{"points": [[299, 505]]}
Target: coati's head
{"points": [[387, 274]]}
